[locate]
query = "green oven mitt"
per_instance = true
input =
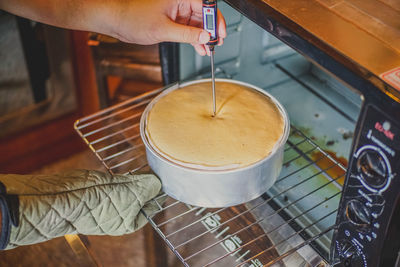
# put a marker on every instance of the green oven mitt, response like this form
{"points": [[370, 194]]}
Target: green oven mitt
{"points": [[36, 208]]}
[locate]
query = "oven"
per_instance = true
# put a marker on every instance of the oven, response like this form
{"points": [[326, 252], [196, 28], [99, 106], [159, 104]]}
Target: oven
{"points": [[335, 67]]}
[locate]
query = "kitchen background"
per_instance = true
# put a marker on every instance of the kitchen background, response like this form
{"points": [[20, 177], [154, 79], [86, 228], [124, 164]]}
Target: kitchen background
{"points": [[50, 77]]}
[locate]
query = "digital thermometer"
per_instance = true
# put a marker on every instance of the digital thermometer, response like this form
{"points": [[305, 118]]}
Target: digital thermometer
{"points": [[210, 25], [210, 21]]}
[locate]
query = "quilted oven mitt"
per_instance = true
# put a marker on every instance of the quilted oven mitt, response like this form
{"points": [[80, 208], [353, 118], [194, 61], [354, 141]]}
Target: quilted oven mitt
{"points": [[36, 208]]}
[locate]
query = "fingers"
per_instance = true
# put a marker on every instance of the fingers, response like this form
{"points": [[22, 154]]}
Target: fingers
{"points": [[221, 28], [194, 33], [203, 50], [221, 25], [175, 32], [220, 41], [200, 49], [207, 50]]}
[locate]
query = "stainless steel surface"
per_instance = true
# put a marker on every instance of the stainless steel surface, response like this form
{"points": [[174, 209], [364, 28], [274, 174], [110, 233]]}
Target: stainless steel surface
{"points": [[366, 31], [360, 35], [209, 187], [213, 81]]}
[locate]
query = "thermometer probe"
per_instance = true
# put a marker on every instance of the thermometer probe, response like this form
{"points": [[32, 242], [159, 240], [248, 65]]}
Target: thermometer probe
{"points": [[210, 25]]}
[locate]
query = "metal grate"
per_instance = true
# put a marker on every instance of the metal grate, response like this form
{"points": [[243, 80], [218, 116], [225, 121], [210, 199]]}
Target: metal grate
{"points": [[289, 225]]}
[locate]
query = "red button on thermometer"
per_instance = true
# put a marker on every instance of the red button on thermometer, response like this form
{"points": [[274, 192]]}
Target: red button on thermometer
{"points": [[210, 21]]}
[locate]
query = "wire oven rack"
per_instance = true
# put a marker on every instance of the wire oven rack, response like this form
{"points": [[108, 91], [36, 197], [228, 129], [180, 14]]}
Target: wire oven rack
{"points": [[290, 225]]}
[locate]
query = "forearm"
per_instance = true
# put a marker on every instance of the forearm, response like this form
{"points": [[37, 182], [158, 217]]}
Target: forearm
{"points": [[132, 21], [88, 15]]}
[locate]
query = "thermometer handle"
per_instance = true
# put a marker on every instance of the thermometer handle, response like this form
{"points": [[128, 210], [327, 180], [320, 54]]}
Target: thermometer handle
{"points": [[210, 21]]}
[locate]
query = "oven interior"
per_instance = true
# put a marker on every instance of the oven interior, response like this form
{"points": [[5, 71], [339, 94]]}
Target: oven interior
{"points": [[292, 223]]}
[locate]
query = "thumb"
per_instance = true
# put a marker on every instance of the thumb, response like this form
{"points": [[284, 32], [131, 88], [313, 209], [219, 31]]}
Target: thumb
{"points": [[175, 32]]}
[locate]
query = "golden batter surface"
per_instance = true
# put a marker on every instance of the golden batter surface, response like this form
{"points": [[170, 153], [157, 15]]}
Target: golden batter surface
{"points": [[245, 130]]}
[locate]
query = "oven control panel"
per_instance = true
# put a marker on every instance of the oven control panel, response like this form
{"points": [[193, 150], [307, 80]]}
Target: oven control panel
{"points": [[370, 195]]}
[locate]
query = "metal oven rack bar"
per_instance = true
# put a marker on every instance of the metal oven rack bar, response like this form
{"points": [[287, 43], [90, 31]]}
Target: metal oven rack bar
{"points": [[289, 223]]}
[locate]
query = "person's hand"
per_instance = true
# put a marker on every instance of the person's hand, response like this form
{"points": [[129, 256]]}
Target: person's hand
{"points": [[133, 21], [154, 21], [42, 207]]}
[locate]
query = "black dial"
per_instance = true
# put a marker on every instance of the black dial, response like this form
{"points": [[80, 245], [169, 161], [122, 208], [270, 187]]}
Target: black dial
{"points": [[359, 215], [372, 168], [349, 255]]}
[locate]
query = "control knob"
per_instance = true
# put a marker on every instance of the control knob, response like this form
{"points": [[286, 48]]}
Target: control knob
{"points": [[349, 255], [373, 168], [358, 214]]}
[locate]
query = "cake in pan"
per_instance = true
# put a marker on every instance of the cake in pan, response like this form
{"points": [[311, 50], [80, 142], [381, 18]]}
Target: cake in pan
{"points": [[246, 128]]}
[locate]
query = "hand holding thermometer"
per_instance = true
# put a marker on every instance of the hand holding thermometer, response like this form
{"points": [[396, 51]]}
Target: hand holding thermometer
{"points": [[210, 25]]}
